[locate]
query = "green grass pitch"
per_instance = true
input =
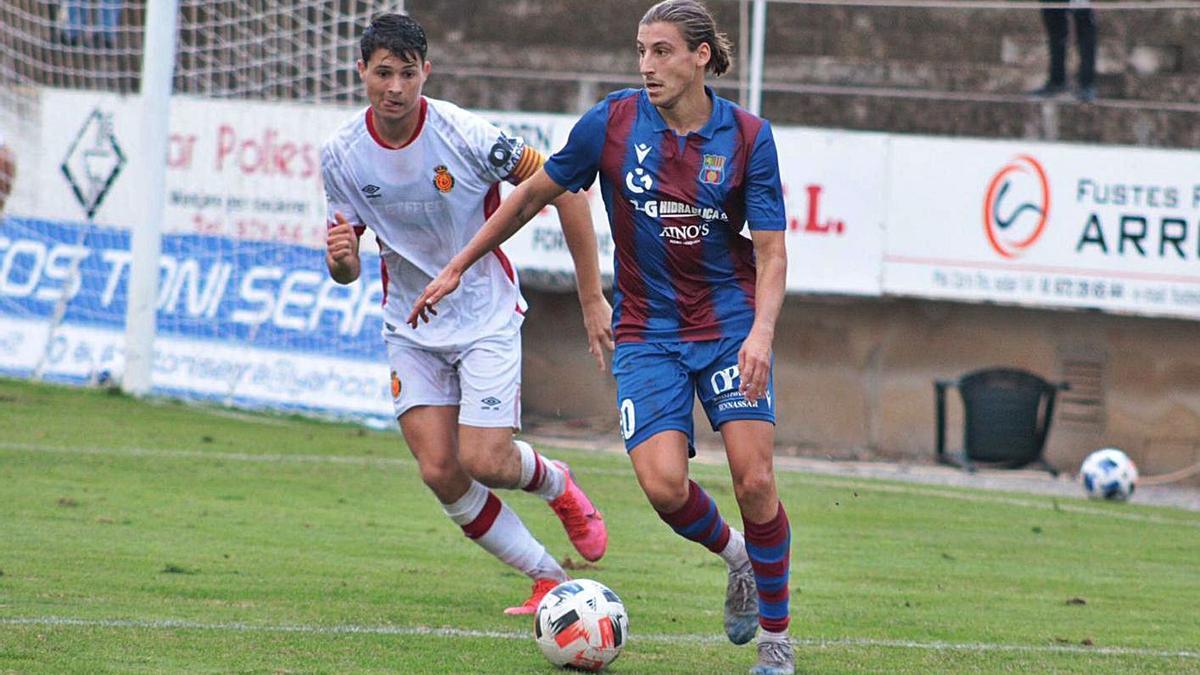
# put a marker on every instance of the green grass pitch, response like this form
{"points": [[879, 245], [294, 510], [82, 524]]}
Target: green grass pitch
{"points": [[152, 536]]}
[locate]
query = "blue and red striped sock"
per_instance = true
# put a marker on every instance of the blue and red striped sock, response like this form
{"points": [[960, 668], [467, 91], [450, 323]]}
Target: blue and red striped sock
{"points": [[769, 546], [699, 520]]}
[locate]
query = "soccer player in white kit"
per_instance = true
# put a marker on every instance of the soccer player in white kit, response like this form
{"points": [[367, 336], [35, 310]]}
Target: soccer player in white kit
{"points": [[423, 175]]}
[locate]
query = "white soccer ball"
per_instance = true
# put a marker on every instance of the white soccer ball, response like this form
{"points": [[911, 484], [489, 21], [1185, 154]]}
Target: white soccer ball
{"points": [[582, 624], [1108, 474]]}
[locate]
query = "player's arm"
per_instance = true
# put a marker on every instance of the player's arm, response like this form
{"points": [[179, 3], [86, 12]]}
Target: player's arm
{"points": [[341, 238], [341, 251], [767, 218], [576, 219], [575, 216], [530, 197], [754, 359]]}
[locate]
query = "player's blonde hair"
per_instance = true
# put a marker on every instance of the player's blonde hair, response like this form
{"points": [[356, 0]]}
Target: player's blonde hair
{"points": [[698, 27]]}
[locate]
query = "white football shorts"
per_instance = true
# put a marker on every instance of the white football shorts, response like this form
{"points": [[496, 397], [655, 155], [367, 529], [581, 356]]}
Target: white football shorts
{"points": [[483, 379]]}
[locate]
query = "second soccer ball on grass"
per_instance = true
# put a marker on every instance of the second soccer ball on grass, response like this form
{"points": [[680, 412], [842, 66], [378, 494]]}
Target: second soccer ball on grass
{"points": [[1108, 474]]}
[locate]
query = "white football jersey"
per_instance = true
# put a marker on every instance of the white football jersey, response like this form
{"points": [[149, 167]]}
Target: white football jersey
{"points": [[424, 201]]}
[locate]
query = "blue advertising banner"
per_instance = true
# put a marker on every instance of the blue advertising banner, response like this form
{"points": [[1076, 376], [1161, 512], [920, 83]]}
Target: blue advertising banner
{"points": [[251, 322]]}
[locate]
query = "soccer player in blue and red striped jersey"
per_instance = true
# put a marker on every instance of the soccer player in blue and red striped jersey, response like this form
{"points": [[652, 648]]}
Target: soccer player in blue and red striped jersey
{"points": [[682, 173]]}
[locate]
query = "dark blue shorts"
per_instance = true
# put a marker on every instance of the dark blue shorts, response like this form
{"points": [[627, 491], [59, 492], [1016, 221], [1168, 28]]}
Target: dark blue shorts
{"points": [[657, 383]]}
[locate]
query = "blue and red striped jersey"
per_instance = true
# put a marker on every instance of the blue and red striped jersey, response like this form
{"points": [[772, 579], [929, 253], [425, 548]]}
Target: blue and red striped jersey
{"points": [[677, 205]]}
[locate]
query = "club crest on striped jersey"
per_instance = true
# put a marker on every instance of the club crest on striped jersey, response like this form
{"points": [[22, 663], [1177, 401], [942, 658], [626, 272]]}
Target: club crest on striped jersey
{"points": [[712, 169], [442, 180]]}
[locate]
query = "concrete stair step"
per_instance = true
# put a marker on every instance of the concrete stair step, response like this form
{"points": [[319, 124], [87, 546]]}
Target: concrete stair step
{"points": [[992, 117]]}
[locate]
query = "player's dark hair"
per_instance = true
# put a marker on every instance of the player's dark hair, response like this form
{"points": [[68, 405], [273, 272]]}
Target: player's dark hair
{"points": [[698, 27], [397, 33]]}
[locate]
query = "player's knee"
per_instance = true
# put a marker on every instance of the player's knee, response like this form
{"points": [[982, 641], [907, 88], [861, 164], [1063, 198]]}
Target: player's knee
{"points": [[754, 486], [665, 496], [439, 474], [486, 462]]}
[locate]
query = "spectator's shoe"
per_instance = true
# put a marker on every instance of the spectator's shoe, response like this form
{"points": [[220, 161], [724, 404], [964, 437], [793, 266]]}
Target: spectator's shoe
{"points": [[1086, 94], [1049, 90], [741, 606], [540, 588], [584, 524], [775, 658]]}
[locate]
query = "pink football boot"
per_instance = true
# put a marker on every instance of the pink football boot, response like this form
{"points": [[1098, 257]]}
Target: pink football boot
{"points": [[584, 524]]}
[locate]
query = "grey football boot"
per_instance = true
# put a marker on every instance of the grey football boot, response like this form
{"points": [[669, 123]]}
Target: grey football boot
{"points": [[741, 606], [775, 658]]}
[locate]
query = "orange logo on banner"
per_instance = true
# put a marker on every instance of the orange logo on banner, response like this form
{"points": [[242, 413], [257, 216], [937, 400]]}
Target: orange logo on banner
{"points": [[1016, 206], [442, 179]]}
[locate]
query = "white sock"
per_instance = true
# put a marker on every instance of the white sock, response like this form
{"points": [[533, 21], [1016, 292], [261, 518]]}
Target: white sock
{"points": [[539, 475], [548, 568], [469, 505], [490, 523], [734, 552], [768, 636]]}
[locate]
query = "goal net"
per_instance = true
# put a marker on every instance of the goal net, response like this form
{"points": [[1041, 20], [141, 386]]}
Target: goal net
{"points": [[246, 313]]}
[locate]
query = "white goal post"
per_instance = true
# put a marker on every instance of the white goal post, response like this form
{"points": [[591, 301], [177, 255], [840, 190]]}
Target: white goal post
{"points": [[146, 240]]}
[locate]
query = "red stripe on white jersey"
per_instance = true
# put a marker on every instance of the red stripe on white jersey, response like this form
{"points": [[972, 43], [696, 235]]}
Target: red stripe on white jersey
{"points": [[491, 202]]}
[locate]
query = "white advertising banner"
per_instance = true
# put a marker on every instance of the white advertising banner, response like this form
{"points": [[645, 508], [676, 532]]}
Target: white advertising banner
{"points": [[1054, 225], [228, 372], [834, 185], [234, 168], [244, 170], [251, 171]]}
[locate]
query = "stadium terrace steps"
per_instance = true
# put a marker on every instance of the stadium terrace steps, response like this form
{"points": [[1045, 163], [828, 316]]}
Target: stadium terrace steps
{"points": [[551, 57], [1004, 114], [1160, 88], [1002, 117], [906, 115], [904, 74], [500, 93], [938, 71], [1006, 75], [935, 71], [1130, 126]]}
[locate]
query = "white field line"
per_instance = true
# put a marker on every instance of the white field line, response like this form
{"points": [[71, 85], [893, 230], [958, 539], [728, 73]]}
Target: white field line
{"points": [[665, 638], [214, 455], [1047, 502]]}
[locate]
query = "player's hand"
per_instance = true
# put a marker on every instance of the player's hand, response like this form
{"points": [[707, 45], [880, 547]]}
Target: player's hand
{"points": [[424, 308], [754, 366], [340, 241], [597, 321]]}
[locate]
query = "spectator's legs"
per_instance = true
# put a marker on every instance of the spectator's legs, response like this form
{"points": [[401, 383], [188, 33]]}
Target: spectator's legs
{"points": [[1085, 36], [1055, 21]]}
